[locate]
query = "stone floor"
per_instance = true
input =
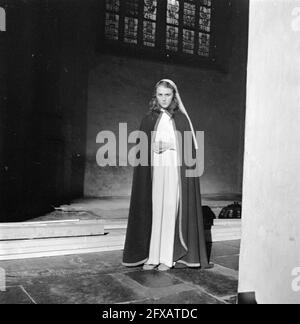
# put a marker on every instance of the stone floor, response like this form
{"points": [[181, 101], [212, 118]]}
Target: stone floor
{"points": [[117, 208], [99, 278]]}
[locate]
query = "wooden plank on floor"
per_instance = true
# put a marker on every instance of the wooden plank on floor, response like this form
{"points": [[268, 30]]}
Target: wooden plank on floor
{"points": [[224, 230], [21, 249], [61, 253], [122, 223], [35, 230]]}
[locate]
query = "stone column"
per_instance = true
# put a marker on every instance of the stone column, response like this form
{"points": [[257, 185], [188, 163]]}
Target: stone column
{"points": [[270, 250]]}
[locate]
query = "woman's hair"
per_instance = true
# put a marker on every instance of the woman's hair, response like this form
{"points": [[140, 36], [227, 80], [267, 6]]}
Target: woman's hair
{"points": [[154, 105]]}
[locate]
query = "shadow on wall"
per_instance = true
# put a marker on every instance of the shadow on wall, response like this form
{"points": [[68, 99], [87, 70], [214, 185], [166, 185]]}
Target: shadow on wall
{"points": [[43, 120]]}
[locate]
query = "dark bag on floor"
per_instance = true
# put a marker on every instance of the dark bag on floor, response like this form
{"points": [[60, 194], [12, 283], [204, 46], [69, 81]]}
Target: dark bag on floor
{"points": [[208, 217], [231, 212]]}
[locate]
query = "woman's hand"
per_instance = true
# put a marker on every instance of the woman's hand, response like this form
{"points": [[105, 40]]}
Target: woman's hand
{"points": [[161, 147]]}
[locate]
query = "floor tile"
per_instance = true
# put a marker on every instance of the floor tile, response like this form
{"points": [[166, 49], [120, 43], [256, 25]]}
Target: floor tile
{"points": [[231, 261], [235, 243], [186, 297], [93, 263], [100, 278], [209, 280], [84, 289], [222, 249], [153, 279], [14, 295]]}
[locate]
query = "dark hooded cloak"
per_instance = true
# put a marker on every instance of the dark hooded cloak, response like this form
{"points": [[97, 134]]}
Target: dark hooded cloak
{"points": [[189, 243]]}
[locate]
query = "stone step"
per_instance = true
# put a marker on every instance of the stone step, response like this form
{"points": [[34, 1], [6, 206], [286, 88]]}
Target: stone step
{"points": [[122, 223], [118, 207], [23, 249], [48, 229], [223, 230]]}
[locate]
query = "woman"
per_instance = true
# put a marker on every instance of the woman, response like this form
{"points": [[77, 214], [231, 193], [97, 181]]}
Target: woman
{"points": [[165, 224]]}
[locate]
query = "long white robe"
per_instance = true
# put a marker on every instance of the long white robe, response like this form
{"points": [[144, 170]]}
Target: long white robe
{"points": [[165, 196]]}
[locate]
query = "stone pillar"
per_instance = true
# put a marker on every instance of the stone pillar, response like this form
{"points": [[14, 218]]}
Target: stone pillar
{"points": [[270, 250]]}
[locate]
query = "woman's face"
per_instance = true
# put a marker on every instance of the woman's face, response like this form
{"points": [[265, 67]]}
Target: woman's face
{"points": [[164, 96]]}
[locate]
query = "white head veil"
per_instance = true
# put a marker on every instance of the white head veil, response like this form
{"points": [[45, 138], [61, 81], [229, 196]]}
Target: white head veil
{"points": [[182, 108]]}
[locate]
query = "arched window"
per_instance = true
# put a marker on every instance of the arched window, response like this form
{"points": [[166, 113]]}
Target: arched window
{"points": [[2, 20], [169, 29]]}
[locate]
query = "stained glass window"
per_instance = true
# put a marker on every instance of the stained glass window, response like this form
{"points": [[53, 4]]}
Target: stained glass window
{"points": [[150, 9], [204, 20], [206, 3], [132, 8], [149, 25], [189, 21], [172, 28], [172, 31], [204, 41], [113, 5], [172, 38], [204, 27], [149, 33], [112, 26], [188, 41], [112, 19], [189, 14], [173, 12], [131, 30]]}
